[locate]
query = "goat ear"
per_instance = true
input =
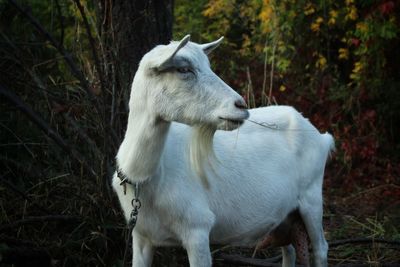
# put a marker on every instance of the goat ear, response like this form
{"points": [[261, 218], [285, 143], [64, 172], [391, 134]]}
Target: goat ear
{"points": [[209, 47], [181, 44]]}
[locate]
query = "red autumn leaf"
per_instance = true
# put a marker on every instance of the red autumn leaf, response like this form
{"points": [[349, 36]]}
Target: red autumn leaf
{"points": [[386, 8], [355, 41]]}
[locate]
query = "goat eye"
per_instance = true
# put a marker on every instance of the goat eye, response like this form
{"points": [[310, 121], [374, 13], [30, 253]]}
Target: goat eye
{"points": [[183, 70]]}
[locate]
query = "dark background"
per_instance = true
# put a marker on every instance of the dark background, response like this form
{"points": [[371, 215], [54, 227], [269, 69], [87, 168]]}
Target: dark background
{"points": [[65, 74]]}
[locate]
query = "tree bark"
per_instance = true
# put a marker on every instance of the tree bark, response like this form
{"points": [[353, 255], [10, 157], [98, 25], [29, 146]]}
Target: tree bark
{"points": [[135, 27]]}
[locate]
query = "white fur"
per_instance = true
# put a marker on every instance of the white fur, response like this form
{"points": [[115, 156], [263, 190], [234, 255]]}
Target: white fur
{"points": [[257, 178]]}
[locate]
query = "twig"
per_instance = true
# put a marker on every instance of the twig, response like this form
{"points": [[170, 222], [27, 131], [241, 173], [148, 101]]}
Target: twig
{"points": [[22, 194], [48, 180], [369, 190], [271, 262], [34, 117], [264, 94], [25, 256], [19, 139], [365, 265], [61, 17], [250, 92], [21, 165], [84, 136], [95, 56], [67, 56], [113, 97], [36, 219], [240, 260], [109, 141], [10, 241], [92, 44], [27, 253], [363, 240], [271, 81]]}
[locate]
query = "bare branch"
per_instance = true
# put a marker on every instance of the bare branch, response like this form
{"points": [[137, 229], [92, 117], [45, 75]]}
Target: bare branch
{"points": [[93, 146], [271, 80], [92, 45], [25, 256], [22, 194], [34, 117], [61, 17], [240, 260], [363, 240], [67, 56], [41, 219], [272, 262]]}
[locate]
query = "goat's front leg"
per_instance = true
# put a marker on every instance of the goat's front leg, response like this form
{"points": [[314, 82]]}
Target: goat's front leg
{"points": [[198, 248], [143, 251]]}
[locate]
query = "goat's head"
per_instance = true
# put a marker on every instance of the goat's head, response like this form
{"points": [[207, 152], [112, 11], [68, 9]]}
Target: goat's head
{"points": [[180, 86]]}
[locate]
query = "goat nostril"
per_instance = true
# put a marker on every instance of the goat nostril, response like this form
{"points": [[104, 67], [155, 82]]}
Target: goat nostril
{"points": [[240, 104]]}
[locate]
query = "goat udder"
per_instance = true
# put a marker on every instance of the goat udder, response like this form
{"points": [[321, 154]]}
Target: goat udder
{"points": [[289, 234]]}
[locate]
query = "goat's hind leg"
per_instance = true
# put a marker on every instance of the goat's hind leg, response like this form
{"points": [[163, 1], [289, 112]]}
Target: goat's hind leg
{"points": [[311, 210], [288, 256]]}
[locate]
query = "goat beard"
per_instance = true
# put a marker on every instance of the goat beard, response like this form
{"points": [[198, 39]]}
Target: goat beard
{"points": [[201, 152]]}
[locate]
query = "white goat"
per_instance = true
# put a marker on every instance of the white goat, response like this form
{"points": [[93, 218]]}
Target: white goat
{"points": [[257, 177]]}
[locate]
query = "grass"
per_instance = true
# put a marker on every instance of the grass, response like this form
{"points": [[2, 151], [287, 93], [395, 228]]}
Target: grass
{"points": [[94, 236]]}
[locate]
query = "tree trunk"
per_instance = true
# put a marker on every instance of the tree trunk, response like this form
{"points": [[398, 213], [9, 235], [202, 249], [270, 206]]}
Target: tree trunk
{"points": [[134, 27]]}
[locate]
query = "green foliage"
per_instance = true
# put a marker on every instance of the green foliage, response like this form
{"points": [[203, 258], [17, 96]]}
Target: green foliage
{"points": [[184, 22], [337, 61]]}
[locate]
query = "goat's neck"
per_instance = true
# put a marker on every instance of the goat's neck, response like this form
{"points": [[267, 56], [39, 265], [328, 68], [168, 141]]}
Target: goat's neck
{"points": [[140, 152]]}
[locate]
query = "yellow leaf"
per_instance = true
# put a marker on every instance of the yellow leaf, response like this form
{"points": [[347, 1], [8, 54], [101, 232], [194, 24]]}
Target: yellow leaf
{"points": [[333, 13], [362, 27], [321, 62], [266, 16], [357, 67], [309, 9], [315, 27], [352, 14], [343, 53]]}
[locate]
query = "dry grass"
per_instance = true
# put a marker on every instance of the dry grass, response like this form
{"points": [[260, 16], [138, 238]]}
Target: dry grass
{"points": [[95, 236]]}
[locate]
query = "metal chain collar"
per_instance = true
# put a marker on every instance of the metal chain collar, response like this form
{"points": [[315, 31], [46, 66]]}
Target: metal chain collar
{"points": [[136, 205]]}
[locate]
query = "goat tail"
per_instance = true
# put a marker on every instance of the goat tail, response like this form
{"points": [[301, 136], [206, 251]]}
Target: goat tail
{"points": [[329, 142]]}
